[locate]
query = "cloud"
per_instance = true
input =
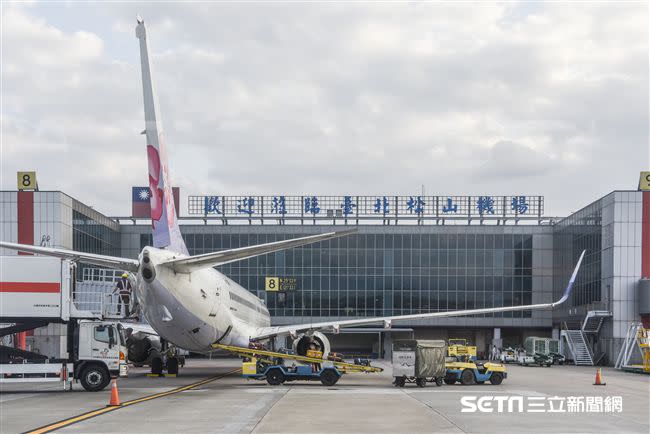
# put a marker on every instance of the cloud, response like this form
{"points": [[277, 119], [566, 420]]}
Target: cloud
{"points": [[522, 162], [331, 98]]}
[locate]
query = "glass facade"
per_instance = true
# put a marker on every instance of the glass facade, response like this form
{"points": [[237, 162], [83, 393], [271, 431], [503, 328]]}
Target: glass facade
{"points": [[92, 236], [580, 231], [386, 273]]}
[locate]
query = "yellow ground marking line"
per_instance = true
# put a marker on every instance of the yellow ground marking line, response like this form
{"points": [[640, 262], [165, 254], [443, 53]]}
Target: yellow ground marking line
{"points": [[100, 411]]}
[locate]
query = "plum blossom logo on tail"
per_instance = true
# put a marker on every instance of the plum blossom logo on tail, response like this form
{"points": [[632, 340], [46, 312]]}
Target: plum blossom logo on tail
{"points": [[154, 178]]}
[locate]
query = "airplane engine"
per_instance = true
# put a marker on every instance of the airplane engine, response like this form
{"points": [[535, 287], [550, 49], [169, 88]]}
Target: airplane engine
{"points": [[311, 341], [140, 347]]}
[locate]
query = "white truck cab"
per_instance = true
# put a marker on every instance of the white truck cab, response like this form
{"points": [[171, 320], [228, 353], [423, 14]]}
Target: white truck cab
{"points": [[100, 353]]}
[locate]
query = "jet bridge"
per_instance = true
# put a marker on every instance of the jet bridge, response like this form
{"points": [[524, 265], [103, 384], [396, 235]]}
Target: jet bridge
{"points": [[37, 289]]}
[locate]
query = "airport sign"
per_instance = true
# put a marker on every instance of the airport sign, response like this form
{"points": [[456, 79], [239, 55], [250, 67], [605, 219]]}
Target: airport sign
{"points": [[350, 207]]}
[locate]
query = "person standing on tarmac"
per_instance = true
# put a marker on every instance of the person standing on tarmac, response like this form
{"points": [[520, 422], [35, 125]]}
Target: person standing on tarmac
{"points": [[123, 288]]}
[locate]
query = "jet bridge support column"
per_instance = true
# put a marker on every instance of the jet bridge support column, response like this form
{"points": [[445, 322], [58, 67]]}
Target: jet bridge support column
{"points": [[388, 345], [496, 338]]}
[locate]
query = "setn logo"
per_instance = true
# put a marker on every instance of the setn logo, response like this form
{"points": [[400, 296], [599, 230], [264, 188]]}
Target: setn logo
{"points": [[488, 403]]}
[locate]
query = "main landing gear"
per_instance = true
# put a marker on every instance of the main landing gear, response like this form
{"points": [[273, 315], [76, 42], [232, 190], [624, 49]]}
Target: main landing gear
{"points": [[167, 360]]}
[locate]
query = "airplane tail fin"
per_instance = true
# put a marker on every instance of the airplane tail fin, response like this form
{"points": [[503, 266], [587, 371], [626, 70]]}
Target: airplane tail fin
{"points": [[166, 233]]}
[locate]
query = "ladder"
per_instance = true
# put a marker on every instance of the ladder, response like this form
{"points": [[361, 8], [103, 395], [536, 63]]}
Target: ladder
{"points": [[252, 352], [575, 340]]}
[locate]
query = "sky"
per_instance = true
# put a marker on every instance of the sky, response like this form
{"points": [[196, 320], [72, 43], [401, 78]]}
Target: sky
{"points": [[504, 98]]}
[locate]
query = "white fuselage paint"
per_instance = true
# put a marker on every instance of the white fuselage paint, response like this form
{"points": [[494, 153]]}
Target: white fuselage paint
{"points": [[194, 310]]}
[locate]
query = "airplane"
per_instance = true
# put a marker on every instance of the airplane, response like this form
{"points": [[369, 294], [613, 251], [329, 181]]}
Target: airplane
{"points": [[191, 304]]}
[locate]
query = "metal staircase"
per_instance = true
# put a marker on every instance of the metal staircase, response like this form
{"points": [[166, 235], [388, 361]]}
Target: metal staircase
{"points": [[576, 338], [578, 347], [594, 320]]}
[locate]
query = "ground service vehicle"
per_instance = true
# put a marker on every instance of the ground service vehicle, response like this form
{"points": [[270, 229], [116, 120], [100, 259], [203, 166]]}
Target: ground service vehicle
{"points": [[277, 367], [537, 351], [36, 292], [96, 352], [469, 372], [459, 347], [524, 359], [278, 374], [558, 359], [508, 355], [419, 362], [543, 359]]}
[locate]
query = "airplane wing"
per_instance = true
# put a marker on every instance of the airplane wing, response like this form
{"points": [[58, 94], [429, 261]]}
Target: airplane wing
{"points": [[334, 326], [89, 258], [188, 264]]}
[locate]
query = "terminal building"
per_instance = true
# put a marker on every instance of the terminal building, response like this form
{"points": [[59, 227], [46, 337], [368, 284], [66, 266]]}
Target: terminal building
{"points": [[409, 255]]}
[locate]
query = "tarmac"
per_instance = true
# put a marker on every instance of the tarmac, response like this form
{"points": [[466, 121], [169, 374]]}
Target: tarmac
{"points": [[358, 403]]}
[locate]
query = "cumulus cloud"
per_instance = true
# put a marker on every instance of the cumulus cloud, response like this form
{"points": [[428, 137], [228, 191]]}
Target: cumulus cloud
{"points": [[331, 98]]}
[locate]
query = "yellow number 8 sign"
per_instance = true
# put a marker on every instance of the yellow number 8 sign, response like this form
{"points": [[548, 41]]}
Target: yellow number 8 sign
{"points": [[644, 181], [271, 284], [27, 181]]}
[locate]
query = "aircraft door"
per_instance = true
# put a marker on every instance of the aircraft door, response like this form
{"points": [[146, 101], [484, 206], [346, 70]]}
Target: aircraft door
{"points": [[216, 301]]}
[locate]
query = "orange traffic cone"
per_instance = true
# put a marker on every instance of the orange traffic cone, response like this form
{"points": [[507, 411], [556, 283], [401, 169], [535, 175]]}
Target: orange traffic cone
{"points": [[599, 379], [115, 395]]}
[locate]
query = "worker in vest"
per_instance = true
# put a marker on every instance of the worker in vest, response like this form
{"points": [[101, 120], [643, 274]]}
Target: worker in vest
{"points": [[123, 288]]}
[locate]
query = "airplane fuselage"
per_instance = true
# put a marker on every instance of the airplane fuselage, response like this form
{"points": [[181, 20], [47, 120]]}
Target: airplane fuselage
{"points": [[193, 310]]}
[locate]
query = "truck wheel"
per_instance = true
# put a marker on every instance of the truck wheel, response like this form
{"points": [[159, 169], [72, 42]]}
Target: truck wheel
{"points": [[400, 381], [328, 377], [496, 378], [156, 366], [95, 378], [450, 379], [421, 382], [275, 377], [467, 377], [172, 365], [439, 381]]}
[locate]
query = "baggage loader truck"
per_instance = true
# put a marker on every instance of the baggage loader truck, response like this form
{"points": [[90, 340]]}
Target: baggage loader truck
{"points": [[38, 291]]}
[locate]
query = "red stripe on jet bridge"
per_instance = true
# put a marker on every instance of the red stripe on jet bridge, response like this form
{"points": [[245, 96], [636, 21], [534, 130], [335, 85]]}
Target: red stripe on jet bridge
{"points": [[49, 287], [645, 236]]}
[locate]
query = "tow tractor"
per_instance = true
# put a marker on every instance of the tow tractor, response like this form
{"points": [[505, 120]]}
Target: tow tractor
{"points": [[466, 371], [277, 367]]}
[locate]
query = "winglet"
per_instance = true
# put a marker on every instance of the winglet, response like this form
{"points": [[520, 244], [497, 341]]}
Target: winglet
{"points": [[569, 288]]}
